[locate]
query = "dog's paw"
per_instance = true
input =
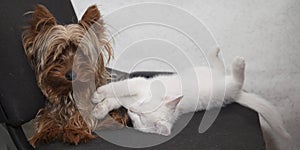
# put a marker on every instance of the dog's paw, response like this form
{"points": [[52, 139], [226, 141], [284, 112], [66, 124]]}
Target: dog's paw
{"points": [[100, 111]]}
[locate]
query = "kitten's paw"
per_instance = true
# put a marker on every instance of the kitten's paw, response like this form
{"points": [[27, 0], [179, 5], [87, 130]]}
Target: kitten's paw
{"points": [[101, 93], [97, 97], [100, 111], [239, 63]]}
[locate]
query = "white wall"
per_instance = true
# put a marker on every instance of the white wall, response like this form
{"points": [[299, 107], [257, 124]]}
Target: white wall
{"points": [[265, 32]]}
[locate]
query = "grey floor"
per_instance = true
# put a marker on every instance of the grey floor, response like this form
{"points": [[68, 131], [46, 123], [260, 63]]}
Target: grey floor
{"points": [[265, 32]]}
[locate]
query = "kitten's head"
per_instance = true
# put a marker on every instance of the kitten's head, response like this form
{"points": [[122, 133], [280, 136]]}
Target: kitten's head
{"points": [[158, 121]]}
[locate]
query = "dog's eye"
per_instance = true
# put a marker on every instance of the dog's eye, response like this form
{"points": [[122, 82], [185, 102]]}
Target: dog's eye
{"points": [[59, 59]]}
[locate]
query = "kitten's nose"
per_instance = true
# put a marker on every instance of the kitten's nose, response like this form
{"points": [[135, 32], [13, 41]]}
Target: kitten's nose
{"points": [[70, 75]]}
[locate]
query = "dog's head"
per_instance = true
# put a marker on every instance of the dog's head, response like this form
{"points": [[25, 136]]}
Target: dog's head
{"points": [[62, 55]]}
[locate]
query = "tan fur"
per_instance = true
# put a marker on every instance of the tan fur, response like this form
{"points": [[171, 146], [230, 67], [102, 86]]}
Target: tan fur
{"points": [[51, 50]]}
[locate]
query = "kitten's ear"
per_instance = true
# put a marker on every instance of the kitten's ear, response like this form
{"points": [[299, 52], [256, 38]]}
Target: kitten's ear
{"points": [[163, 128], [173, 102], [42, 19]]}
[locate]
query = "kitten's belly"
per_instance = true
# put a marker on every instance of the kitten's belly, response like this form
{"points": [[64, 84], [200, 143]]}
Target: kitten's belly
{"points": [[196, 90]]}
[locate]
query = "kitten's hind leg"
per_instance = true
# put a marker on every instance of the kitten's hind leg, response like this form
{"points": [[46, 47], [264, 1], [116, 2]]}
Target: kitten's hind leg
{"points": [[215, 61], [238, 69]]}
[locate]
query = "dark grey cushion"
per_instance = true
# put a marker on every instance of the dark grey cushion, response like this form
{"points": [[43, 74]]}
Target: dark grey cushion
{"points": [[236, 128]]}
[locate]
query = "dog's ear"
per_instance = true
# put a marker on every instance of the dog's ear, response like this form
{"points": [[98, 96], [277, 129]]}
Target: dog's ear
{"points": [[92, 21], [42, 19], [90, 17]]}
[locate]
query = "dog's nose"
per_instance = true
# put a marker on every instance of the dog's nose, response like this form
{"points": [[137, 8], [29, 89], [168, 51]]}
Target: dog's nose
{"points": [[70, 75]]}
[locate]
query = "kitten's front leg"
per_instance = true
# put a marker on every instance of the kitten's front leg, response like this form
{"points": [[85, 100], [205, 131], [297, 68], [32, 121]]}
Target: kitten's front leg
{"points": [[129, 87], [108, 104]]}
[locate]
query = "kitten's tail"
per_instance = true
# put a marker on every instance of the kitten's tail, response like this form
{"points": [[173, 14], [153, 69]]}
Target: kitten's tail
{"points": [[266, 110]]}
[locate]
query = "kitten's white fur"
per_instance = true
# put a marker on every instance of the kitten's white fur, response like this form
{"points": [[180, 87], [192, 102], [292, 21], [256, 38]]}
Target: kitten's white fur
{"points": [[156, 110]]}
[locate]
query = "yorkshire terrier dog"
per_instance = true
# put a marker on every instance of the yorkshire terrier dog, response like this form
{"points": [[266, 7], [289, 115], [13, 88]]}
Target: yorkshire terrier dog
{"points": [[51, 50]]}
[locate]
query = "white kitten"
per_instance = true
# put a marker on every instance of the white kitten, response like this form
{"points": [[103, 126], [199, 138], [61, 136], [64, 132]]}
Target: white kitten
{"points": [[154, 110]]}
